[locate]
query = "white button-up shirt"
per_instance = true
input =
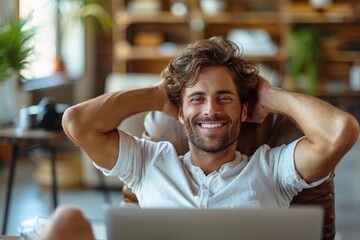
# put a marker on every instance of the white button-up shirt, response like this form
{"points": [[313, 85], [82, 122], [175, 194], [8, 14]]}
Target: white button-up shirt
{"points": [[162, 179]]}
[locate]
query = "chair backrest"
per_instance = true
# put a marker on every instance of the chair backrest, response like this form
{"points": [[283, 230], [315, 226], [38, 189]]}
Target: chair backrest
{"points": [[274, 131]]}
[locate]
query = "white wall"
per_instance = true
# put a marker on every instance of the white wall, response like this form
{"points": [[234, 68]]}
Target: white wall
{"points": [[85, 87]]}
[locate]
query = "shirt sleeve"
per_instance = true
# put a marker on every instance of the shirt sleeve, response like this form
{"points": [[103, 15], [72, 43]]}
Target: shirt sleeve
{"points": [[129, 164], [135, 155], [282, 163]]}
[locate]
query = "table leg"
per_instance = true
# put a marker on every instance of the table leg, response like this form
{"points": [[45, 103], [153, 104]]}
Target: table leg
{"points": [[103, 187], [53, 174], [15, 153]]}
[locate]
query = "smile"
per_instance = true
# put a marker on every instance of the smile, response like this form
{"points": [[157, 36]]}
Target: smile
{"points": [[211, 125]]}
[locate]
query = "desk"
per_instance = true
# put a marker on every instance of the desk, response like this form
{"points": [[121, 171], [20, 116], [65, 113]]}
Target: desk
{"points": [[31, 139]]}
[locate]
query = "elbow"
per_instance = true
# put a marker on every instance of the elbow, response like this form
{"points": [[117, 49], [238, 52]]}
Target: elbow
{"points": [[348, 133], [71, 122], [354, 128]]}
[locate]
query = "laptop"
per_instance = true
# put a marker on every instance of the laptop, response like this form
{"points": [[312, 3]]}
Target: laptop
{"points": [[296, 223]]}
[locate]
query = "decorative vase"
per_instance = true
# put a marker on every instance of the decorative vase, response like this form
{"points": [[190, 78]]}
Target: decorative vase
{"points": [[8, 99]]}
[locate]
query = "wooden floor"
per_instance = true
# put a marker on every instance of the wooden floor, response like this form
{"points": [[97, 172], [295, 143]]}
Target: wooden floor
{"points": [[30, 200]]}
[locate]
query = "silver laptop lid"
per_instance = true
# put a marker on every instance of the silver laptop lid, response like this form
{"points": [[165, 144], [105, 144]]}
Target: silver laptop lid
{"points": [[298, 223]]}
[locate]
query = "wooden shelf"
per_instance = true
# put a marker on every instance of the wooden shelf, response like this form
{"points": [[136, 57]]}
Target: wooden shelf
{"points": [[158, 52], [124, 18], [344, 56], [277, 18], [335, 13], [318, 18], [242, 17], [146, 52]]}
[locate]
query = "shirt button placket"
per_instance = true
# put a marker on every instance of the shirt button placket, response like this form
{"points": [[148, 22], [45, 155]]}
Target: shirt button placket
{"points": [[205, 192], [203, 196]]}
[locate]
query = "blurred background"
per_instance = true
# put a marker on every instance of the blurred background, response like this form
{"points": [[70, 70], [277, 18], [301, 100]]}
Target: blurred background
{"points": [[68, 51]]}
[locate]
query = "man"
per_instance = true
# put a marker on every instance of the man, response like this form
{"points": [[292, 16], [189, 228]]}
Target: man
{"points": [[212, 90]]}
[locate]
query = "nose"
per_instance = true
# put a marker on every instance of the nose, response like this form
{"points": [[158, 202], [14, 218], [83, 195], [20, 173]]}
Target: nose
{"points": [[211, 107]]}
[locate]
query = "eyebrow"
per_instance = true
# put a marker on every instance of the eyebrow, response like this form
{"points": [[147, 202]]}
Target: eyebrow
{"points": [[200, 93]]}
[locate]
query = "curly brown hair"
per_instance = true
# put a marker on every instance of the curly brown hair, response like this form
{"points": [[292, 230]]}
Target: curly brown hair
{"points": [[183, 71]]}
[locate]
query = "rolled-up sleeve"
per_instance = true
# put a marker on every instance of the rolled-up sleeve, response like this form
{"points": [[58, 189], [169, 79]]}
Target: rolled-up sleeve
{"points": [[128, 166], [282, 163]]}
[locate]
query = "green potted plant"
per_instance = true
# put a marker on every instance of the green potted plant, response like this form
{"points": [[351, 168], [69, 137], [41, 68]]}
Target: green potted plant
{"points": [[14, 50], [306, 53], [14, 55]]}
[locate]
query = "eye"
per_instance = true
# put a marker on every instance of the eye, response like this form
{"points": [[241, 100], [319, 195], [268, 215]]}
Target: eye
{"points": [[197, 99], [225, 99]]}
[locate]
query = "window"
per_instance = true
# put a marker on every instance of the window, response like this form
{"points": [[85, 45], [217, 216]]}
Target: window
{"points": [[42, 18], [54, 38]]}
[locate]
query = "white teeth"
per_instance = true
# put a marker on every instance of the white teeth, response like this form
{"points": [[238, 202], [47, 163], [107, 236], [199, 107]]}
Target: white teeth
{"points": [[211, 125]]}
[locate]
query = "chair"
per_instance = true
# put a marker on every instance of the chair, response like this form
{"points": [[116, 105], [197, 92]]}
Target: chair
{"points": [[274, 131]]}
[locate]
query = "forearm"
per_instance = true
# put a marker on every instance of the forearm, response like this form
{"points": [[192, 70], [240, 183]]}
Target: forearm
{"points": [[92, 125], [317, 119], [106, 112], [329, 131]]}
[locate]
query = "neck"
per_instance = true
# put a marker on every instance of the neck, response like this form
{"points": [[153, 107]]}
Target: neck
{"points": [[210, 162]]}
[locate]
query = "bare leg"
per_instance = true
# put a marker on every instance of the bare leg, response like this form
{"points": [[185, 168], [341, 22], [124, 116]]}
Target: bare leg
{"points": [[67, 223]]}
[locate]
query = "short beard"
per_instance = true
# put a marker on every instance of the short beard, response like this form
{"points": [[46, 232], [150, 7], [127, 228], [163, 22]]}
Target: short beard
{"points": [[229, 138]]}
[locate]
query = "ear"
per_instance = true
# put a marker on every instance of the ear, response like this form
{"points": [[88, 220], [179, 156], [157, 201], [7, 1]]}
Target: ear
{"points": [[181, 116], [244, 111]]}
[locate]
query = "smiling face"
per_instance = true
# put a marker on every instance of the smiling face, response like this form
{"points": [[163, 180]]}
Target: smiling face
{"points": [[211, 111]]}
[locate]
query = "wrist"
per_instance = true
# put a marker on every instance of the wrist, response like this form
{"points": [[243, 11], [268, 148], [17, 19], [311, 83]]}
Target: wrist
{"points": [[265, 94], [162, 94]]}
